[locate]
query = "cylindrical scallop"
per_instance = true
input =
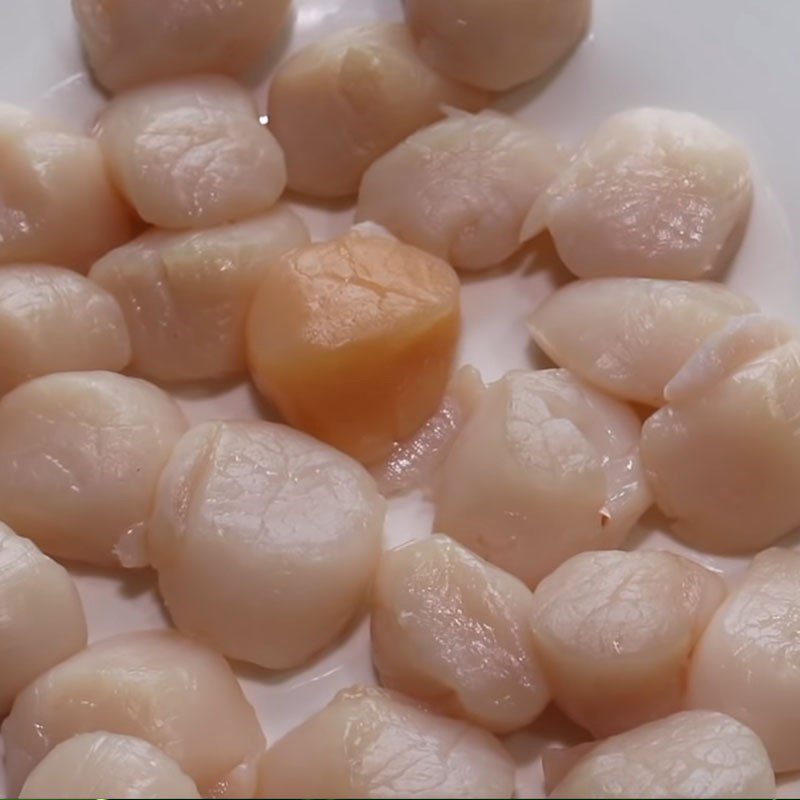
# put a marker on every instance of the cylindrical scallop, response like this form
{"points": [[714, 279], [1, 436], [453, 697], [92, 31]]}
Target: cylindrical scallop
{"points": [[158, 686], [630, 336], [107, 765], [545, 468], [653, 193], [54, 320], [191, 152], [128, 42], [723, 456], [496, 44], [80, 454], [461, 188], [58, 205], [264, 539], [339, 103], [614, 632], [41, 617], [454, 631], [353, 339], [374, 743], [693, 754], [185, 295]]}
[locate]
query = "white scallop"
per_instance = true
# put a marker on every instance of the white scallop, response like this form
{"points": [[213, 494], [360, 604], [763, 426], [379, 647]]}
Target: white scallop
{"points": [[107, 765], [374, 743], [58, 205], [42, 620], [496, 44], [80, 454], [694, 754], [265, 540], [461, 188], [135, 41], [155, 685], [545, 468], [191, 152], [614, 632], [652, 193], [185, 295]]}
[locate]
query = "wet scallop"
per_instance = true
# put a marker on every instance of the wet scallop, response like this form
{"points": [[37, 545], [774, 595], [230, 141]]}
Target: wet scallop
{"points": [[452, 630], [545, 468], [461, 188], [128, 42], [653, 193], [343, 101], [614, 632], [80, 454], [264, 539], [191, 152], [185, 295], [42, 620], [374, 743], [107, 765], [155, 685]]}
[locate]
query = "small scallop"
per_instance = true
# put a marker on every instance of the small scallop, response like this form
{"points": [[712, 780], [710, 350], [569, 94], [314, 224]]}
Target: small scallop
{"points": [[614, 632], [41, 616], [634, 333], [108, 765], [80, 454], [339, 103], [155, 685], [496, 44], [58, 205], [185, 295], [452, 630], [353, 340], [264, 539], [374, 743], [723, 456], [191, 152], [128, 42], [461, 188], [653, 193], [693, 754], [545, 468]]}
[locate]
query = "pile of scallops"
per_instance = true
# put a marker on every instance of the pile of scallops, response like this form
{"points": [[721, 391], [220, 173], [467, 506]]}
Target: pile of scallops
{"points": [[157, 249]]}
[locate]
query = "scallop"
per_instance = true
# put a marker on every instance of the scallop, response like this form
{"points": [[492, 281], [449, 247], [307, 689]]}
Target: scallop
{"points": [[693, 754], [128, 42], [158, 686], [107, 765], [454, 631], [58, 205], [42, 620], [373, 743], [264, 539], [614, 632], [722, 456], [634, 333], [80, 454], [461, 188], [339, 103], [353, 339], [545, 468], [653, 193], [191, 152], [185, 295]]}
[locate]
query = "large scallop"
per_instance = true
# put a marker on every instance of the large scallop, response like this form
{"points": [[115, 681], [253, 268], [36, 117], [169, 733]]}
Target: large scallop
{"points": [[545, 468], [191, 152], [264, 539]]}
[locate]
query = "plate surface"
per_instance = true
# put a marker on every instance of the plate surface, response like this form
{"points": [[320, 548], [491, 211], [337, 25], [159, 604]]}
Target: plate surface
{"points": [[734, 61]]}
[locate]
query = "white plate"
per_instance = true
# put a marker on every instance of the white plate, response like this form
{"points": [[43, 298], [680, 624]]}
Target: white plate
{"points": [[732, 60]]}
